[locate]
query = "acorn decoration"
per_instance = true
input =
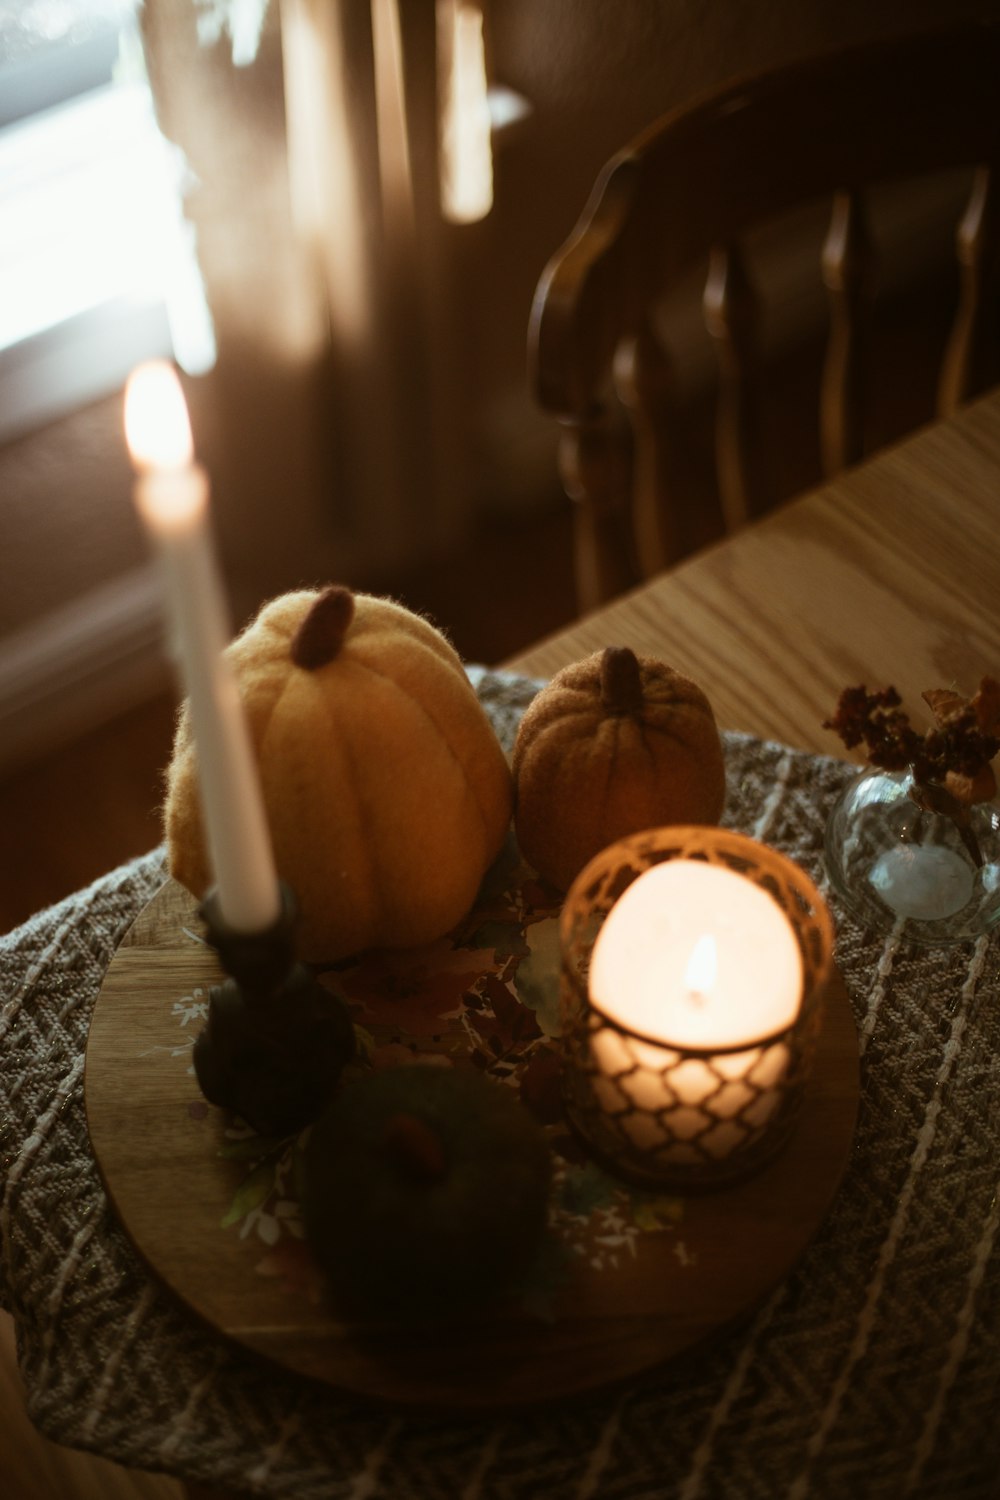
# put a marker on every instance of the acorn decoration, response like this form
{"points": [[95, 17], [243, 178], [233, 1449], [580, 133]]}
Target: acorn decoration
{"points": [[612, 745], [424, 1192], [387, 792]]}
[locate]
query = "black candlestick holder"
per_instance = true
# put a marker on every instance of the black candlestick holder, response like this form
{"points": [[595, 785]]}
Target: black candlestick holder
{"points": [[276, 1040]]}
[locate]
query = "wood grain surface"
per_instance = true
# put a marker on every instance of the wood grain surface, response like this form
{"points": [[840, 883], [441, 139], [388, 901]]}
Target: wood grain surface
{"points": [[158, 1147], [888, 574]]}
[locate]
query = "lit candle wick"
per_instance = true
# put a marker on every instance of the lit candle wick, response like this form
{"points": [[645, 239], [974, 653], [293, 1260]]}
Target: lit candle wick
{"points": [[701, 971]]}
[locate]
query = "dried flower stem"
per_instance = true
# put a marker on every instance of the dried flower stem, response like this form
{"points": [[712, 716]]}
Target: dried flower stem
{"points": [[950, 762]]}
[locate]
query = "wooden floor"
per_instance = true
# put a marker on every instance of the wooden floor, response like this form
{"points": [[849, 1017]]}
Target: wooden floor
{"points": [[33, 1469]]}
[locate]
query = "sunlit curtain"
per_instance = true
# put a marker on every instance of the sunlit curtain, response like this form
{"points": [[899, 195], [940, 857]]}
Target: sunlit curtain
{"points": [[310, 130]]}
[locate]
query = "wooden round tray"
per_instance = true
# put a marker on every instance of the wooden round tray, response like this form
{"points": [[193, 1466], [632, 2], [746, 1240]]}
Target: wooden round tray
{"points": [[628, 1278]]}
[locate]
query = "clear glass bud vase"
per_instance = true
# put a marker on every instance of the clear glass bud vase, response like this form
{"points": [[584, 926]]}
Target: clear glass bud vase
{"points": [[898, 851]]}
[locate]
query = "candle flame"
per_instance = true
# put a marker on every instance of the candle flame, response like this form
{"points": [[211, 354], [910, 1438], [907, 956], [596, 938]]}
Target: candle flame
{"points": [[157, 428], [702, 966]]}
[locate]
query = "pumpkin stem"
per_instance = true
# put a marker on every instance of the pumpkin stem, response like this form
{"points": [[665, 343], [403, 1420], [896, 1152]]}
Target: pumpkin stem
{"points": [[621, 681], [321, 634], [414, 1147]]}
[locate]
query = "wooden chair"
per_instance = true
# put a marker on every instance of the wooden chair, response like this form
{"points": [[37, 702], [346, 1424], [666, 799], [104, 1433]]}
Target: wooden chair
{"points": [[688, 190]]}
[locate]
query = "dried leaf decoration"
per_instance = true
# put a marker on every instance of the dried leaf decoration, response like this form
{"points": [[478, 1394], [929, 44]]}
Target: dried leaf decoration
{"points": [[970, 789], [944, 702], [946, 705], [950, 761], [971, 729]]}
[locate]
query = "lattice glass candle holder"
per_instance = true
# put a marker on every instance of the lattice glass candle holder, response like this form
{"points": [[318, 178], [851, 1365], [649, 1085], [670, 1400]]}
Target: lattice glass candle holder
{"points": [[691, 1010]]}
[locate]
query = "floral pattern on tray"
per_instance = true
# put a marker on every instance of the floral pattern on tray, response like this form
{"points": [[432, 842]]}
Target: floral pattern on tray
{"points": [[485, 996]]}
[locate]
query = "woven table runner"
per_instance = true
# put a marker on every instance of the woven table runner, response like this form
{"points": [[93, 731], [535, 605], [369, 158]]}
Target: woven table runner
{"points": [[872, 1370]]}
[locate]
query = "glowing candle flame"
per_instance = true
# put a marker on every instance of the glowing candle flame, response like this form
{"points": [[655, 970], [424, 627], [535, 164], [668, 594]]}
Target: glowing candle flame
{"points": [[702, 966], [157, 428]]}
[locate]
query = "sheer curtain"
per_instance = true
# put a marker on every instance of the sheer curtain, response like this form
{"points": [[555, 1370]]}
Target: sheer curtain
{"points": [[329, 421]]}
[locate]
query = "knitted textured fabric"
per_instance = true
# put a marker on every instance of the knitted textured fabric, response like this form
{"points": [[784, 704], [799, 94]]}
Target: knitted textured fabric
{"points": [[874, 1369]]}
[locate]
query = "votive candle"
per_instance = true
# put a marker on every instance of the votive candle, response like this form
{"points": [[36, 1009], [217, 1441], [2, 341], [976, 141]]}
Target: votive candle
{"points": [[694, 957]]}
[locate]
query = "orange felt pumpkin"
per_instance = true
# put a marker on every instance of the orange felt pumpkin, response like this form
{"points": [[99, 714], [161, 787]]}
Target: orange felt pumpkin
{"points": [[612, 745], [387, 792]]}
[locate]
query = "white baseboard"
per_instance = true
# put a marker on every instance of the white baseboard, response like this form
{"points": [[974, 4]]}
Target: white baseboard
{"points": [[79, 666]]}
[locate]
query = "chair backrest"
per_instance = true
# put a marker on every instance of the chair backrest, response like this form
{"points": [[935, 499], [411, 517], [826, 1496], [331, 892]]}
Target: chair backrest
{"points": [[688, 189]]}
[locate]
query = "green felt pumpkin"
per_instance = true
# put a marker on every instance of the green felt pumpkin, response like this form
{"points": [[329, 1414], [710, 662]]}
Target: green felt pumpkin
{"points": [[424, 1191], [613, 744], [387, 792]]}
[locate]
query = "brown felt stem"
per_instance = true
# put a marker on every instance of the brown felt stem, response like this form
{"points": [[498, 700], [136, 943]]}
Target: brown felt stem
{"points": [[321, 634], [415, 1147], [621, 681]]}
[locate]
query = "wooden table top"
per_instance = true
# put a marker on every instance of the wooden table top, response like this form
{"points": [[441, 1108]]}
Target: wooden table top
{"points": [[888, 574]]}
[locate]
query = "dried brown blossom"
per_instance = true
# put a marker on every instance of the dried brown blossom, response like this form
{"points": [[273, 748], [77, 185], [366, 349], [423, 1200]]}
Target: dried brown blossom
{"points": [[954, 754]]}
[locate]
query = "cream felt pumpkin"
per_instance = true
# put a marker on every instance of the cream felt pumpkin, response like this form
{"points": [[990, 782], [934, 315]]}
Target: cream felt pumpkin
{"points": [[387, 792]]}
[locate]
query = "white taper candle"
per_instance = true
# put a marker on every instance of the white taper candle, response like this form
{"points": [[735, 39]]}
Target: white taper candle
{"points": [[172, 496]]}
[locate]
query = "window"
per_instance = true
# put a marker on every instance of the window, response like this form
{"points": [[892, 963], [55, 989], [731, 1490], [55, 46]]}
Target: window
{"points": [[97, 268]]}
